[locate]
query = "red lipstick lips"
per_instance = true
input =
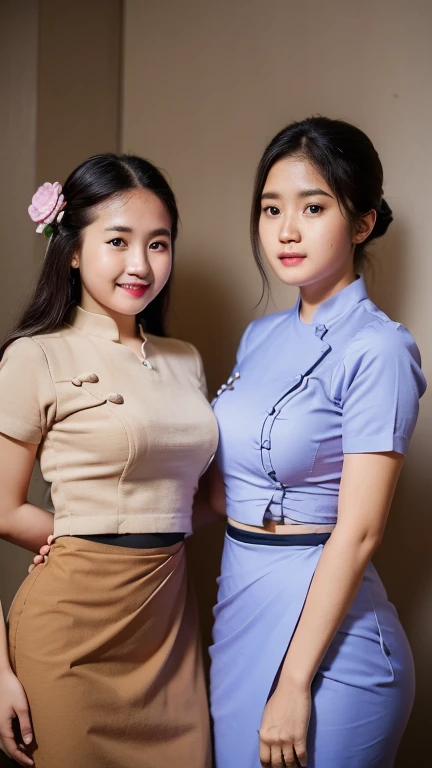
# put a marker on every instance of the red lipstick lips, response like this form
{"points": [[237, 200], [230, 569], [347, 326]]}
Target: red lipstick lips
{"points": [[134, 289]]}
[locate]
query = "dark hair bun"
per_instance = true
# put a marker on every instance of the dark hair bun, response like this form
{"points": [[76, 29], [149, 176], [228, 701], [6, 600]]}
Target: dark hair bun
{"points": [[383, 221]]}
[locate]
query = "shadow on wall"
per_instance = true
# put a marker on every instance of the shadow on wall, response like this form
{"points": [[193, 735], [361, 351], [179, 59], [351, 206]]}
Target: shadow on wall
{"points": [[206, 311], [404, 560], [387, 274], [204, 551], [212, 310], [404, 563]]}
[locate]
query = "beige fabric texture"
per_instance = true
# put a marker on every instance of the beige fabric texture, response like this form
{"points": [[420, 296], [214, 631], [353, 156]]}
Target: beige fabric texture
{"points": [[123, 445], [105, 641]]}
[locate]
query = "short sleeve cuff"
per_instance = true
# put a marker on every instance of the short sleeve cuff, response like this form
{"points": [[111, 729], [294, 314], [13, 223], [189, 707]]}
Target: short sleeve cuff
{"points": [[26, 433], [376, 444]]}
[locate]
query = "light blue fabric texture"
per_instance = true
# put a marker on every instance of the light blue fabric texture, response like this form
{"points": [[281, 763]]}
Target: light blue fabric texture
{"points": [[305, 396]]}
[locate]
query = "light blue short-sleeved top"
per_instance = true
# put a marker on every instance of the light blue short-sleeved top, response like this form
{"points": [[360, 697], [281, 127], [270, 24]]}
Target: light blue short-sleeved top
{"points": [[301, 396]]}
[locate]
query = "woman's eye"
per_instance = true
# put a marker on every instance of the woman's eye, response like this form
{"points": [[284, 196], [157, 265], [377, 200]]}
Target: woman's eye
{"points": [[271, 210], [158, 246], [314, 208], [117, 242]]}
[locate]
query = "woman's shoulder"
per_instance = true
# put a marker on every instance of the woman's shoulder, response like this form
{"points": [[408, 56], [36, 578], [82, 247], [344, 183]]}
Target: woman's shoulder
{"points": [[261, 327], [178, 352], [380, 335], [29, 348], [383, 355], [172, 345]]}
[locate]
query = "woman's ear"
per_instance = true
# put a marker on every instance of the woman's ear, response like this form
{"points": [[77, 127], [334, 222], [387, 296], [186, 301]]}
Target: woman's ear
{"points": [[75, 261], [363, 227]]}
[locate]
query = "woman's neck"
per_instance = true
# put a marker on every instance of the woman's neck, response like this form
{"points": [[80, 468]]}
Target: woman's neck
{"points": [[313, 295], [126, 324]]}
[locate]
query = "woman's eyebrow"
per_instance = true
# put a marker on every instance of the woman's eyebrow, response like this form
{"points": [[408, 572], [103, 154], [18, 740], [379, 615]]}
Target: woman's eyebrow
{"points": [[270, 196], [314, 192], [118, 228], [160, 232], [154, 233], [303, 193]]}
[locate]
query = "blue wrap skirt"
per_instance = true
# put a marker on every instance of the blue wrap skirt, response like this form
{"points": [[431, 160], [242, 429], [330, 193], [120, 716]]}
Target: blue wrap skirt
{"points": [[363, 692]]}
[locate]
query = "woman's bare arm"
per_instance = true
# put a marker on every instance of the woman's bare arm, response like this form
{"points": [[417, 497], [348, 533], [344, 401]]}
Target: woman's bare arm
{"points": [[28, 526], [20, 522]]}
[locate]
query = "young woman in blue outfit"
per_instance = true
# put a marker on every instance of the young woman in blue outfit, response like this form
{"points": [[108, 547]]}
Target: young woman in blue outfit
{"points": [[310, 664]]}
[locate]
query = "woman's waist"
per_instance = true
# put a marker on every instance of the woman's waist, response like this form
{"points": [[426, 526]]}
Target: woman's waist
{"points": [[109, 552], [135, 540], [91, 522], [292, 507], [285, 528]]}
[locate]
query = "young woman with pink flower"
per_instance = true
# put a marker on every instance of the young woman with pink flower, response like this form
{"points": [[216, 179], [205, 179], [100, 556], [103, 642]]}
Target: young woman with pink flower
{"points": [[102, 665]]}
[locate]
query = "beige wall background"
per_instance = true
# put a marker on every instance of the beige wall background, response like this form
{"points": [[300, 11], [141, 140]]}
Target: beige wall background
{"points": [[18, 89], [206, 85], [200, 87], [60, 80]]}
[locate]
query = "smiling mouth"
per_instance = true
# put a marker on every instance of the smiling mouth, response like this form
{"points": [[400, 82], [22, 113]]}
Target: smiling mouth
{"points": [[137, 289], [132, 286]]}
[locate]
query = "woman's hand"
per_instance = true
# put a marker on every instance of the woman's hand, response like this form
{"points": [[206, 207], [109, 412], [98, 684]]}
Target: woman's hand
{"points": [[284, 728], [14, 704], [43, 554]]}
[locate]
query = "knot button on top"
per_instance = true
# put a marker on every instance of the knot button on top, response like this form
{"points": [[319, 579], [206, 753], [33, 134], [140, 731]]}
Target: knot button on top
{"points": [[320, 330], [91, 378], [232, 379], [113, 397], [229, 385]]}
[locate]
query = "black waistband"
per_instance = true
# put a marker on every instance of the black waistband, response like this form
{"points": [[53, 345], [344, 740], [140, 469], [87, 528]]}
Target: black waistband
{"points": [[277, 539], [137, 540]]}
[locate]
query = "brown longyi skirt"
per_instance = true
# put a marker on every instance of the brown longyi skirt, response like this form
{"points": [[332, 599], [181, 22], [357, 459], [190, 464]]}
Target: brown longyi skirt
{"points": [[105, 642]]}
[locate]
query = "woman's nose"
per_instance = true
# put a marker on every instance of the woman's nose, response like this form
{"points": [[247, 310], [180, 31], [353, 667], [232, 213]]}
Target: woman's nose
{"points": [[138, 264], [289, 230]]}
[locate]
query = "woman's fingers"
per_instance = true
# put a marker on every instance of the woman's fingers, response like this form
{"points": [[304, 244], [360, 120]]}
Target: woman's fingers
{"points": [[43, 554], [37, 560], [15, 725], [282, 757], [264, 754], [23, 716], [300, 754], [13, 750], [275, 756]]}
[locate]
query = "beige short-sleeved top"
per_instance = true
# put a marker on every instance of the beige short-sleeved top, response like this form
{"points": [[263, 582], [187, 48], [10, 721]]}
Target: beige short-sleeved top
{"points": [[123, 450]]}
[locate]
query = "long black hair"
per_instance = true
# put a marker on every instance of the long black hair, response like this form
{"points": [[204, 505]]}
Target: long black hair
{"points": [[58, 287], [347, 160]]}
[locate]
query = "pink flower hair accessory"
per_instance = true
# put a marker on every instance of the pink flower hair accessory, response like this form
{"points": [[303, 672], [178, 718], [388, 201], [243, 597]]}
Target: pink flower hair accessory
{"points": [[47, 207]]}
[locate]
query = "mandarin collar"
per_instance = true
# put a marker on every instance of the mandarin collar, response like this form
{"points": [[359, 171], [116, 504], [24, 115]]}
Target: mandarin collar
{"points": [[342, 302], [94, 324]]}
